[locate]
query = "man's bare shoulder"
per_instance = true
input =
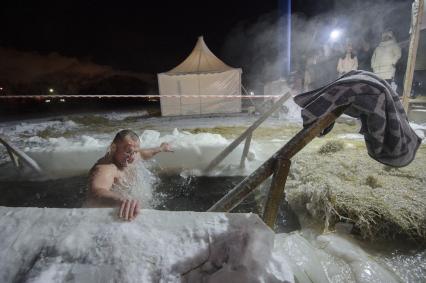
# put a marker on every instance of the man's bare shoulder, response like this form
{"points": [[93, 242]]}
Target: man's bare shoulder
{"points": [[106, 168]]}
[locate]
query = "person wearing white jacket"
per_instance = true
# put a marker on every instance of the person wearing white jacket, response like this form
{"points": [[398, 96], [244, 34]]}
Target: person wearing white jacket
{"points": [[385, 57]]}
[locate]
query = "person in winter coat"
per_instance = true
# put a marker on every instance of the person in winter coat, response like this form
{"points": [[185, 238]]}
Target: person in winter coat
{"points": [[348, 62], [385, 57]]}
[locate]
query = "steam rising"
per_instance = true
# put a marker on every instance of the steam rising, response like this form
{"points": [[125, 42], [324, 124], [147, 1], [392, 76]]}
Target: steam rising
{"points": [[260, 47]]}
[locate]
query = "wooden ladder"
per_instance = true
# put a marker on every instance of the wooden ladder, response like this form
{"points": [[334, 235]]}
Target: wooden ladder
{"points": [[19, 158], [247, 135], [277, 165]]}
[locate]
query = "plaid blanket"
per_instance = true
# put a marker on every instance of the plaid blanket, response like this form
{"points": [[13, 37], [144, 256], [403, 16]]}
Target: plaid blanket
{"points": [[387, 133]]}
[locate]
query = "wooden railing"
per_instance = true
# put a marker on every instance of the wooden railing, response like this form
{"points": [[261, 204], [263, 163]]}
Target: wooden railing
{"points": [[18, 157], [247, 135], [278, 165]]}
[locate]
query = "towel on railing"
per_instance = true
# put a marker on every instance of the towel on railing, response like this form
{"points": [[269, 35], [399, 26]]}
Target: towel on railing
{"points": [[387, 133]]}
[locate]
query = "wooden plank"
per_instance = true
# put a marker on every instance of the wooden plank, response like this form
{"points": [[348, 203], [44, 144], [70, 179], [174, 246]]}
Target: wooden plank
{"points": [[412, 54], [276, 191], [250, 183], [244, 135], [245, 151], [15, 152]]}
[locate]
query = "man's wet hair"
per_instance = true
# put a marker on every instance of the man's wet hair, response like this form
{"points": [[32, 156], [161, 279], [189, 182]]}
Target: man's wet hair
{"points": [[121, 135]]}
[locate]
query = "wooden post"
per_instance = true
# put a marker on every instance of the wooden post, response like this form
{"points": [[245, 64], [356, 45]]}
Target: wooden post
{"points": [[250, 183], [412, 54], [245, 151], [238, 140], [276, 192]]}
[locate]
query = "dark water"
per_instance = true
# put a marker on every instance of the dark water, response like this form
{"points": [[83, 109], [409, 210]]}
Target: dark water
{"points": [[197, 193], [61, 193], [172, 192]]}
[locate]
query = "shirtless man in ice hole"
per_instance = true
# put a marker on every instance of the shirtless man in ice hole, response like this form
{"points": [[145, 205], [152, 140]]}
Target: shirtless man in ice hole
{"points": [[110, 169]]}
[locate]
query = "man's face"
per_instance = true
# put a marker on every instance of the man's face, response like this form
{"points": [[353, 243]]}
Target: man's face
{"points": [[126, 152], [386, 36]]}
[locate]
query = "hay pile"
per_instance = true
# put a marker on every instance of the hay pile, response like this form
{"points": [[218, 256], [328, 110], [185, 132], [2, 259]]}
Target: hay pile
{"points": [[338, 182]]}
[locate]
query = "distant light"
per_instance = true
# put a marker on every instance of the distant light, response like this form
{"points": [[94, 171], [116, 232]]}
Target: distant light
{"points": [[251, 93], [62, 100], [47, 101], [1, 88], [51, 90], [335, 34]]}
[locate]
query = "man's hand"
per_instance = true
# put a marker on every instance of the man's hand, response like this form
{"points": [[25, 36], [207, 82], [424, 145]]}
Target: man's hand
{"points": [[165, 147], [129, 209]]}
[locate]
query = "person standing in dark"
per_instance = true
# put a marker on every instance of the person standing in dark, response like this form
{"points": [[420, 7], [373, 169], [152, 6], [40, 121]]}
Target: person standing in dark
{"points": [[364, 55]]}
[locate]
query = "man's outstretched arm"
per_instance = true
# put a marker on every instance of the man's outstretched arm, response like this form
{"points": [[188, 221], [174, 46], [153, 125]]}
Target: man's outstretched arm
{"points": [[150, 152]]}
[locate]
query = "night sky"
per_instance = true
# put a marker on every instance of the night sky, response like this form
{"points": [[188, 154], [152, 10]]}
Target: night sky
{"points": [[138, 36]]}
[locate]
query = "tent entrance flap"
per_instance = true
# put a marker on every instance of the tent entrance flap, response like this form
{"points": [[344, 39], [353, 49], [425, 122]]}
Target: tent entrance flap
{"points": [[200, 93]]}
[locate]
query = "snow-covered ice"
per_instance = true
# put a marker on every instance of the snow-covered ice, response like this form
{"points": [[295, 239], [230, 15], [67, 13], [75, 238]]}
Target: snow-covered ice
{"points": [[91, 245]]}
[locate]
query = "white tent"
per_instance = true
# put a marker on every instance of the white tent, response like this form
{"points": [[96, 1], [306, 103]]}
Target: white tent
{"points": [[204, 76]]}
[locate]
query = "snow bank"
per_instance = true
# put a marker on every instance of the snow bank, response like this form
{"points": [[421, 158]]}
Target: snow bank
{"points": [[13, 131], [191, 151], [90, 245], [28, 134], [420, 130], [120, 116]]}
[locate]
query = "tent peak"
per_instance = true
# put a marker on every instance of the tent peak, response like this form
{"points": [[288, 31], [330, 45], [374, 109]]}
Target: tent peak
{"points": [[201, 60]]}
